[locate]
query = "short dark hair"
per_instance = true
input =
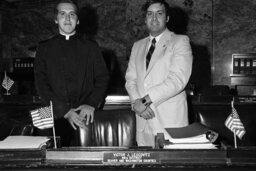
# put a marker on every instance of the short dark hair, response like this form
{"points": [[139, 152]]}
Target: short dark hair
{"points": [[73, 2], [150, 2]]}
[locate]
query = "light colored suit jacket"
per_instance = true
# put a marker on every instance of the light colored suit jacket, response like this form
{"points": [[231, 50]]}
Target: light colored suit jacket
{"points": [[164, 80]]}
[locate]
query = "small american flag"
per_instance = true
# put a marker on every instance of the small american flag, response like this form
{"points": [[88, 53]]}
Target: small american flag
{"points": [[234, 123], [42, 118], [7, 82]]}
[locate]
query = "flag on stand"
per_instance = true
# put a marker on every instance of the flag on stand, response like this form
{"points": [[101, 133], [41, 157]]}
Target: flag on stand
{"points": [[42, 118], [7, 82], [234, 123]]}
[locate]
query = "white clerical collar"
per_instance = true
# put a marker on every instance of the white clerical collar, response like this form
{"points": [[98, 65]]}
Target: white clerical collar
{"points": [[68, 35]]}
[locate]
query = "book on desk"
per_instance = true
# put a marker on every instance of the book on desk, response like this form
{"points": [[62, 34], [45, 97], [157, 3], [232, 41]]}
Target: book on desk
{"points": [[193, 136], [23, 142], [23, 149]]}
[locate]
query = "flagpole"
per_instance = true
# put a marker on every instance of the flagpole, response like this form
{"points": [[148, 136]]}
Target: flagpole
{"points": [[5, 77], [235, 139], [234, 131], [53, 128]]}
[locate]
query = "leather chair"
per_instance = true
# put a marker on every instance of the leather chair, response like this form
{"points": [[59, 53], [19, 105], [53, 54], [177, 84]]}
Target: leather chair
{"points": [[214, 116], [115, 127], [215, 90], [11, 127]]}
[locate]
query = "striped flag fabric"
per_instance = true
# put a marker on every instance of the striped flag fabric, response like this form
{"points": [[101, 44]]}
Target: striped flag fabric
{"points": [[7, 82], [234, 123], [42, 118]]}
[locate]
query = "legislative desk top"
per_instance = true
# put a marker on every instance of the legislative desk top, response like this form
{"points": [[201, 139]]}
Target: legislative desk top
{"points": [[109, 158]]}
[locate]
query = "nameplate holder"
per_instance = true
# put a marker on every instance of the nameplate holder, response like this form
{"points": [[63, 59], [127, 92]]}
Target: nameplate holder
{"points": [[131, 158]]}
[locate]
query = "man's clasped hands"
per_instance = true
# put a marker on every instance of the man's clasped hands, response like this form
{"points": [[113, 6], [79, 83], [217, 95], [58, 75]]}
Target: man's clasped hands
{"points": [[142, 108]]}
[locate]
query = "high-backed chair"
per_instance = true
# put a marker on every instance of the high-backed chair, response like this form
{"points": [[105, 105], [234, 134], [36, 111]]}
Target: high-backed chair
{"points": [[215, 90], [10, 127], [214, 116], [115, 127]]}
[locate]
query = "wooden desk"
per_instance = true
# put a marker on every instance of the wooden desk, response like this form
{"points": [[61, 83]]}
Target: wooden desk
{"points": [[129, 159], [242, 79]]}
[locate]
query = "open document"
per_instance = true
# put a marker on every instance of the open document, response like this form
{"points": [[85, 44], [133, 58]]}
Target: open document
{"points": [[22, 142]]}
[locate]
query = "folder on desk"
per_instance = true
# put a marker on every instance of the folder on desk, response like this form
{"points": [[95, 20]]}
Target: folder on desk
{"points": [[193, 130], [194, 136]]}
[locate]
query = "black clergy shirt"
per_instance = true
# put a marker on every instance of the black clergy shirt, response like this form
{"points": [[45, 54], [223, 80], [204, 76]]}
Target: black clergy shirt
{"points": [[70, 73]]}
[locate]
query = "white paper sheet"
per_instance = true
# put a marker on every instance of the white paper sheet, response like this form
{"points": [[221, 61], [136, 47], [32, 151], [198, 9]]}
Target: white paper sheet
{"points": [[191, 146]]}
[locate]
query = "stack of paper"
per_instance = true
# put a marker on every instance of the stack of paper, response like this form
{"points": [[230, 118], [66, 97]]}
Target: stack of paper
{"points": [[21, 142], [191, 146], [194, 136], [196, 142]]}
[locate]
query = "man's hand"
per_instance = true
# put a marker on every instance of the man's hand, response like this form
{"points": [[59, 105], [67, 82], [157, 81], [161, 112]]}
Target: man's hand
{"points": [[138, 106], [74, 119], [148, 113], [86, 112]]}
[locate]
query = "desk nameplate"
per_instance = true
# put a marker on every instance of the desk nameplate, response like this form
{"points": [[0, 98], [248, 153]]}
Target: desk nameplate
{"points": [[118, 156], [137, 157]]}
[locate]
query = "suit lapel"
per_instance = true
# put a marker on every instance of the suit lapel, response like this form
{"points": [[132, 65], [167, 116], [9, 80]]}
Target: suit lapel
{"points": [[142, 56], [159, 50]]}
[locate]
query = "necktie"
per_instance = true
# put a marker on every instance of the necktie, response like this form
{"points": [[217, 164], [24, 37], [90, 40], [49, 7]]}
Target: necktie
{"points": [[150, 51]]}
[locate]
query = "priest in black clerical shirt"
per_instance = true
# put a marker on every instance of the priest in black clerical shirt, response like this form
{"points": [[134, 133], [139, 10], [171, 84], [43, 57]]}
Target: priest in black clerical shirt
{"points": [[71, 73]]}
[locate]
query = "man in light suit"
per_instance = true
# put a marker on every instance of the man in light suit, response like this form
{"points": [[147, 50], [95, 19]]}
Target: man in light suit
{"points": [[156, 76]]}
